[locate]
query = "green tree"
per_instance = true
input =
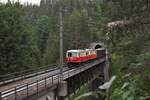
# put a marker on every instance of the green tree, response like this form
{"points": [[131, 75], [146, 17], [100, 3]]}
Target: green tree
{"points": [[44, 30], [14, 43], [76, 29]]}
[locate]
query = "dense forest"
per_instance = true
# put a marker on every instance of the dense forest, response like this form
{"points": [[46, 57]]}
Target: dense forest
{"points": [[29, 37], [30, 33]]}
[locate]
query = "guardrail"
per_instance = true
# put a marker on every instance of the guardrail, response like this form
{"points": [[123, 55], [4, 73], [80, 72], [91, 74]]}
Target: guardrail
{"points": [[8, 78], [29, 89]]}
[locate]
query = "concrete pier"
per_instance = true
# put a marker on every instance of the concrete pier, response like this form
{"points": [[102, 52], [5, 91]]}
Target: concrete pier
{"points": [[58, 94]]}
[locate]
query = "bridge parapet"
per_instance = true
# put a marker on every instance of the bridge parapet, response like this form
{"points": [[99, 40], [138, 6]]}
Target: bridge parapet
{"points": [[29, 89]]}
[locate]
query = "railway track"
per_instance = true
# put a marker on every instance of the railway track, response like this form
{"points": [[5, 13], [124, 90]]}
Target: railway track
{"points": [[8, 78], [9, 91], [30, 78], [27, 87]]}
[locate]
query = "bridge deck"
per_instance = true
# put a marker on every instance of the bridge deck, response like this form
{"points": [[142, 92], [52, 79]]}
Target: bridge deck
{"points": [[28, 87], [29, 80]]}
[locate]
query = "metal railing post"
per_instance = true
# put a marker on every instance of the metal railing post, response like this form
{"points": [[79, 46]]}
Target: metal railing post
{"points": [[52, 80], [45, 83], [37, 87], [68, 74], [0, 96], [27, 89], [59, 78], [15, 93]]}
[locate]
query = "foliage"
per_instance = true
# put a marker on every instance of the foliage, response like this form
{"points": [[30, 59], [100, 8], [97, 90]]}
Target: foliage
{"points": [[29, 37], [125, 91], [31, 31], [45, 41], [141, 67], [43, 30], [14, 42], [129, 44], [77, 25], [82, 90]]}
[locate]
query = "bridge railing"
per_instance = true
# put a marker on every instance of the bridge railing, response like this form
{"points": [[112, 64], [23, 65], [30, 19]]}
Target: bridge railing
{"points": [[26, 74], [28, 89]]}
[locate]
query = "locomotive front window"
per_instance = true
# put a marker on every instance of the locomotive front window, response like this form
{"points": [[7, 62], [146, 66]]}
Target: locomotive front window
{"points": [[72, 54], [69, 54]]}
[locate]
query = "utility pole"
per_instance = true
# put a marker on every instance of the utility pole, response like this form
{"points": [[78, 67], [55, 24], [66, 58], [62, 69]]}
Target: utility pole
{"points": [[61, 10], [61, 41], [61, 46]]}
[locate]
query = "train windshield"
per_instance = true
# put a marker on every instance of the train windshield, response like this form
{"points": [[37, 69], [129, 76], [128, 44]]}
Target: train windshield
{"points": [[72, 54]]}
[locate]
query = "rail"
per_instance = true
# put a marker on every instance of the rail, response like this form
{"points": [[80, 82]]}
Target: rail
{"points": [[28, 89], [8, 78]]}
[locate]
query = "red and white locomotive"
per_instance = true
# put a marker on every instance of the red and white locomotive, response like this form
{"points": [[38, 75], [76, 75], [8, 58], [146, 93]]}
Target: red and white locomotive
{"points": [[81, 56]]}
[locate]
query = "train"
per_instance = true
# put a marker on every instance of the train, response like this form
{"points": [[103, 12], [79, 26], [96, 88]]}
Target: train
{"points": [[74, 57]]}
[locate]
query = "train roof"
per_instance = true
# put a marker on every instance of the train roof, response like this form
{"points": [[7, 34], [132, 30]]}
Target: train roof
{"points": [[75, 50], [89, 49], [100, 49]]}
